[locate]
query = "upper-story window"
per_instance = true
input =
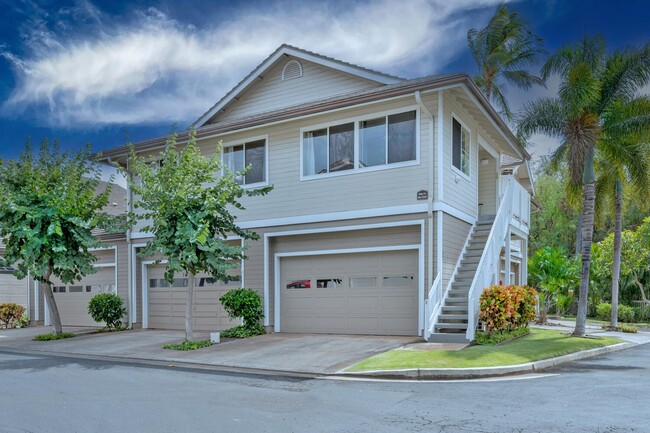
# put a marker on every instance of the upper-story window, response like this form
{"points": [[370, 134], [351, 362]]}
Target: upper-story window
{"points": [[460, 147], [353, 146], [237, 157]]}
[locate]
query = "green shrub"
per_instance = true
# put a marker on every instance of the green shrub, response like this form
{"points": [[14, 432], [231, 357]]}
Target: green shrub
{"points": [[189, 345], [626, 313], [244, 303], [51, 336], [492, 338], [243, 332], [631, 329], [504, 308], [11, 314], [107, 308], [604, 311]]}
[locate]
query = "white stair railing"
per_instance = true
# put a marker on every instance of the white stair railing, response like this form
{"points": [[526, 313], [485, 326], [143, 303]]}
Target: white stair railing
{"points": [[432, 306], [487, 272]]}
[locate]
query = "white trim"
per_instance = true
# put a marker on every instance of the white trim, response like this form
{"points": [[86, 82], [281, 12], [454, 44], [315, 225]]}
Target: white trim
{"points": [[284, 69], [134, 281], [37, 301], [46, 321], [487, 147], [243, 143], [419, 248], [439, 146], [104, 265], [453, 211], [268, 236], [145, 290], [463, 125], [269, 62], [356, 145], [337, 216]]}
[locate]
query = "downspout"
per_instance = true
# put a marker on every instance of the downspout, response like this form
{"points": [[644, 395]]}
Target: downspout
{"points": [[129, 249], [440, 198], [418, 98]]}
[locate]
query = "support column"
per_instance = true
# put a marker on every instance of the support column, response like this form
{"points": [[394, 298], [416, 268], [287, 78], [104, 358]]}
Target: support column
{"points": [[524, 261], [508, 264]]}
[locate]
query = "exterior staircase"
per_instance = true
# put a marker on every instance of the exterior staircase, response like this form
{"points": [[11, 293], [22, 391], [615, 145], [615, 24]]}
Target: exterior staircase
{"points": [[451, 324]]}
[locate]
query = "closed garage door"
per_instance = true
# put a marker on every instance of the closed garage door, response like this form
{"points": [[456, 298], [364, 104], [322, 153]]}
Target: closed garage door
{"points": [[360, 293], [166, 302], [12, 290], [72, 300]]}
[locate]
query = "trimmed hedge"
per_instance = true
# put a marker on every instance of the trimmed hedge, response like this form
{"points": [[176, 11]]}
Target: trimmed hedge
{"points": [[505, 308]]}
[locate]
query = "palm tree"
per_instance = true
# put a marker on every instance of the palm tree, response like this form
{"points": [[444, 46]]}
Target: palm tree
{"points": [[503, 49], [624, 159], [594, 102]]}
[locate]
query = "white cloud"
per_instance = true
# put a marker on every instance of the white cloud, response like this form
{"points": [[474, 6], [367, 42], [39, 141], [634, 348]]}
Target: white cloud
{"points": [[156, 69]]}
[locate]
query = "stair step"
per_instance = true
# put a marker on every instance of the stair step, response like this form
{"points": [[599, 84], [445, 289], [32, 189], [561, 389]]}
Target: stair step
{"points": [[457, 293], [447, 318], [457, 301], [447, 337], [459, 326], [455, 309]]}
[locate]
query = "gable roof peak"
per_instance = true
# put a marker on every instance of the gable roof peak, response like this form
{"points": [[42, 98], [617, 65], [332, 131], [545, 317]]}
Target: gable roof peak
{"points": [[299, 53]]}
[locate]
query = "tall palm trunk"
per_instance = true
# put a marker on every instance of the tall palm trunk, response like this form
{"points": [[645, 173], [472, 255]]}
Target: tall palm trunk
{"points": [[616, 262], [188, 307], [589, 201], [55, 318]]}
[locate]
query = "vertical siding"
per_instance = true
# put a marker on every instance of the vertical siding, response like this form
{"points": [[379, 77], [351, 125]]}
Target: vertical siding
{"points": [[454, 235], [271, 92], [487, 188]]}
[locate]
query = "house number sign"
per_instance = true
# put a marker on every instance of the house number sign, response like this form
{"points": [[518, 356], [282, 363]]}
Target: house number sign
{"points": [[423, 194]]}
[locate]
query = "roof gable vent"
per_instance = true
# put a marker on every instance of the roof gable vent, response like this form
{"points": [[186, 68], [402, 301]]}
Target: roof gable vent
{"points": [[293, 69]]}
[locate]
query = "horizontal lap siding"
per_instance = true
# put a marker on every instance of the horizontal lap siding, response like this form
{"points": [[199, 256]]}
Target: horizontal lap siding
{"points": [[487, 190], [355, 191], [454, 235], [271, 93], [460, 192]]}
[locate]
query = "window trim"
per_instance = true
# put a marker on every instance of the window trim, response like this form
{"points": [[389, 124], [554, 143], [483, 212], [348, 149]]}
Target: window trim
{"points": [[242, 142], [357, 143], [463, 125]]}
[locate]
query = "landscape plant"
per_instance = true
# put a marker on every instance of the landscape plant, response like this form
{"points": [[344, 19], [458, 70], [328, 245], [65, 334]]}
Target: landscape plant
{"points": [[506, 308], [11, 314], [50, 205], [107, 308], [556, 276], [245, 304], [186, 202]]}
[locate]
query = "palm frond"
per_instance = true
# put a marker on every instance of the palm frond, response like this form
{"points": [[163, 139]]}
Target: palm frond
{"points": [[523, 79], [543, 116], [626, 71]]}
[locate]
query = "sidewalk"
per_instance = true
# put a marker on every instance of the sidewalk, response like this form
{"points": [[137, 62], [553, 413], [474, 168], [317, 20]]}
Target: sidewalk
{"points": [[277, 354]]}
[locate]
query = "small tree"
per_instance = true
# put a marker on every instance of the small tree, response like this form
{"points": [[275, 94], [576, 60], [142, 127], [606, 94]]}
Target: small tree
{"points": [[49, 207], [187, 204]]}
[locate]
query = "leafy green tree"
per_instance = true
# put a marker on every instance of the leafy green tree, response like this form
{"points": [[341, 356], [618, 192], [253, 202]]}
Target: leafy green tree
{"points": [[593, 102], [503, 50], [187, 204], [49, 207], [556, 276]]}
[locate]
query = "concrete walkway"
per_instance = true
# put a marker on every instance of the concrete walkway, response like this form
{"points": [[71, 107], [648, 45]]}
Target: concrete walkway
{"points": [[295, 354]]}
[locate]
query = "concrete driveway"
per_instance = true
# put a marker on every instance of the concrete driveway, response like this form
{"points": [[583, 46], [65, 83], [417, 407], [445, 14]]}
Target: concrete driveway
{"points": [[298, 353]]}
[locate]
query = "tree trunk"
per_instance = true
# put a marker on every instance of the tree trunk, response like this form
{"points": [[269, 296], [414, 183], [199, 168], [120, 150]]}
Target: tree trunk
{"points": [[188, 307], [55, 318], [589, 201], [579, 235], [640, 286], [616, 261]]}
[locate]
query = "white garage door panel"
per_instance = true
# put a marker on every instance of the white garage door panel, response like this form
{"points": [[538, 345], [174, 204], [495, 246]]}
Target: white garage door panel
{"points": [[73, 305], [166, 305], [13, 290], [366, 293]]}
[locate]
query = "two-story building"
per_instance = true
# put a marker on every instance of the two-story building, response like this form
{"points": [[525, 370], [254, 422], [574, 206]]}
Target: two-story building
{"points": [[395, 202]]}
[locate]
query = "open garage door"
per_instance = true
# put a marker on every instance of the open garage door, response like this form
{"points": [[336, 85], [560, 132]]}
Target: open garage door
{"points": [[356, 293]]}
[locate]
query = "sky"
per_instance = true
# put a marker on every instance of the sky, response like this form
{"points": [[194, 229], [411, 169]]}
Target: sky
{"points": [[111, 72]]}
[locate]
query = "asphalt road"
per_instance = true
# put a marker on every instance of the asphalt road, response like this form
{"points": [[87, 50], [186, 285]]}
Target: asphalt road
{"points": [[51, 394]]}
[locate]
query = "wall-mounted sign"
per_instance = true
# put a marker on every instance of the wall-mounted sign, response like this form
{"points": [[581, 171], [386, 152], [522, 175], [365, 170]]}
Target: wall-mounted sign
{"points": [[423, 194]]}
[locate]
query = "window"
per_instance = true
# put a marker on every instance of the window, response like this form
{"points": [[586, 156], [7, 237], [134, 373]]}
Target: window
{"points": [[328, 150], [76, 289], [58, 289], [460, 147], [363, 282], [332, 283], [382, 141], [399, 281], [240, 156], [299, 284]]}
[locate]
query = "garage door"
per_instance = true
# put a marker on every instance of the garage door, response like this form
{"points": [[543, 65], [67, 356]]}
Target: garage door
{"points": [[361, 293], [166, 302], [12, 290], [72, 300]]}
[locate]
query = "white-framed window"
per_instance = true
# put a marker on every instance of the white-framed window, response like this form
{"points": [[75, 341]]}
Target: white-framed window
{"points": [[372, 142], [253, 153], [460, 148]]}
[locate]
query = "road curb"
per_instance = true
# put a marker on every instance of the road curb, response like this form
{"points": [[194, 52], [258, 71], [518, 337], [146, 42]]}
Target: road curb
{"points": [[484, 372]]}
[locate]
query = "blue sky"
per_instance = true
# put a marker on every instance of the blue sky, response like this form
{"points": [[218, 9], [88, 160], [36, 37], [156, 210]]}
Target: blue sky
{"points": [[108, 72]]}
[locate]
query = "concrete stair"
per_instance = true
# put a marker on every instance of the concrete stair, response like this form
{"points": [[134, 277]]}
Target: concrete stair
{"points": [[451, 325]]}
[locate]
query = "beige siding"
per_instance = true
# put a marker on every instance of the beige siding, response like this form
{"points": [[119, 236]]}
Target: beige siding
{"points": [[388, 187], [459, 191], [454, 234], [13, 290], [271, 93], [487, 188]]}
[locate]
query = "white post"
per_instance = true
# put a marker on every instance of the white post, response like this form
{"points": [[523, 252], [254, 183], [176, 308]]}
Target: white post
{"points": [[524, 262], [508, 264]]}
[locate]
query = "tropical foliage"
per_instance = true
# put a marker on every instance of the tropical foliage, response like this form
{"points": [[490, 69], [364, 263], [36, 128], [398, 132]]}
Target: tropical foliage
{"points": [[557, 277], [188, 205], [505, 308]]}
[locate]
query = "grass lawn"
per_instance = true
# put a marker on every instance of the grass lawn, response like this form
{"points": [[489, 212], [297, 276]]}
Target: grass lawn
{"points": [[539, 344]]}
